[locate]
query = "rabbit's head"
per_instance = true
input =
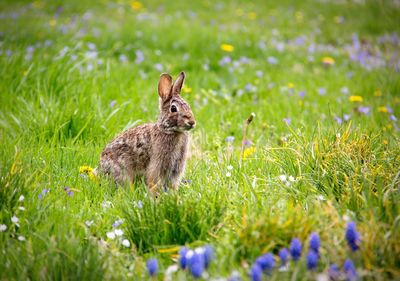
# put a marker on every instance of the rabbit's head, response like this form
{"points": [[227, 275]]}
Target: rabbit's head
{"points": [[175, 114]]}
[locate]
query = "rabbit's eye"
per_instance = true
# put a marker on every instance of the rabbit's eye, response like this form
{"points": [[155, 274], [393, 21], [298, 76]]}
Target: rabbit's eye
{"points": [[173, 108]]}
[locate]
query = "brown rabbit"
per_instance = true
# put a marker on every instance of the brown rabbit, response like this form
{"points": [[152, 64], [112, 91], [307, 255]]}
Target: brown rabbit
{"points": [[156, 150]]}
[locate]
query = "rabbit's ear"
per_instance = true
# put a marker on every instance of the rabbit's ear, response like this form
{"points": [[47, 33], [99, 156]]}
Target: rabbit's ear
{"points": [[164, 85], [176, 88]]}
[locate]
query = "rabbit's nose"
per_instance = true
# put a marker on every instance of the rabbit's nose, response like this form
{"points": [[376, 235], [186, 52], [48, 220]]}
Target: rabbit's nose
{"points": [[192, 123]]}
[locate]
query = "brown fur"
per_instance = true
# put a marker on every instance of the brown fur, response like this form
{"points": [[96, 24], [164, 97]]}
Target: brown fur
{"points": [[156, 151]]}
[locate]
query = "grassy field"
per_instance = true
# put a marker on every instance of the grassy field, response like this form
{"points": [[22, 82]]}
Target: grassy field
{"points": [[322, 78]]}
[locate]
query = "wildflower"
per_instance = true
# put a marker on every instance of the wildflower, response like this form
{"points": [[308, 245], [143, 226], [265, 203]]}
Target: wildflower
{"points": [[248, 152], [383, 109], [21, 198], [88, 223], [328, 61], [352, 236], [21, 238], [227, 48], [295, 249], [334, 272], [152, 266], [338, 120], [255, 273], [287, 121], [44, 192], [139, 57], [139, 204], [322, 91], [87, 171], [350, 270], [247, 143], [228, 174], [118, 232], [126, 243], [363, 109], [302, 94], [111, 235], [3, 227], [159, 67], [21, 208], [235, 276], [314, 242], [355, 98], [272, 60], [15, 220], [208, 255], [266, 262], [346, 117], [117, 223], [123, 58], [182, 257], [290, 85], [283, 255], [229, 139], [195, 263], [393, 118], [344, 90], [225, 60], [312, 260], [136, 5]]}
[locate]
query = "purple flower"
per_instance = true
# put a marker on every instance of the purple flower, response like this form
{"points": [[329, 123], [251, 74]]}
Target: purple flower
{"points": [[266, 262], [247, 143], [44, 192], [272, 60], [123, 58], [350, 270], [159, 67], [334, 272], [208, 255], [338, 120], [229, 139], [346, 117], [393, 118], [139, 57], [152, 266], [312, 260], [352, 236], [283, 255], [295, 249], [322, 91], [314, 242], [302, 94], [112, 103], [225, 60], [287, 120], [182, 257], [363, 109], [195, 263], [255, 273]]}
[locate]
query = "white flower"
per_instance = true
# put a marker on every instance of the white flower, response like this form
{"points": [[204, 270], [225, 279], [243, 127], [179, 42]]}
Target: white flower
{"points": [[21, 238], [321, 198], [230, 167], [126, 243], [228, 174], [89, 223], [118, 232], [21, 208], [291, 178], [15, 220], [3, 227], [283, 178], [21, 198], [111, 235]]}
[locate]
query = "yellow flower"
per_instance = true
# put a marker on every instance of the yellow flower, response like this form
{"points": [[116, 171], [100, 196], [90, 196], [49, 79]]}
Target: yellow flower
{"points": [[252, 15], [87, 170], [385, 142], [378, 93], [248, 152], [53, 22], [383, 109], [328, 61], [136, 5], [226, 48], [355, 98], [290, 85], [186, 89]]}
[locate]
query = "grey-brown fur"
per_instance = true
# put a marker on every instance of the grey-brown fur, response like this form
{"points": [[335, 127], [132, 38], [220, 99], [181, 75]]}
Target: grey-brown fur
{"points": [[156, 151]]}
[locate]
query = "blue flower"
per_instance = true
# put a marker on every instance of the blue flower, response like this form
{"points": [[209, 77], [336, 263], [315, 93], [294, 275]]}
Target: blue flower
{"points": [[208, 255], [152, 266], [312, 260], [255, 273], [266, 262], [350, 270], [295, 249], [182, 257], [195, 263], [283, 255], [334, 272], [352, 236], [229, 139], [314, 242]]}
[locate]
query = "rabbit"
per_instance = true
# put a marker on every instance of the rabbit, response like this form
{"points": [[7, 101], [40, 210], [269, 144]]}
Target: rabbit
{"points": [[158, 150]]}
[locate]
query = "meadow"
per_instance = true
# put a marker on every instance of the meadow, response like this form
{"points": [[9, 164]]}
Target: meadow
{"points": [[322, 151]]}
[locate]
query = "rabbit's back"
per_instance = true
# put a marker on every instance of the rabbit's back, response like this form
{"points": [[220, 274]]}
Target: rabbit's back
{"points": [[128, 155]]}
